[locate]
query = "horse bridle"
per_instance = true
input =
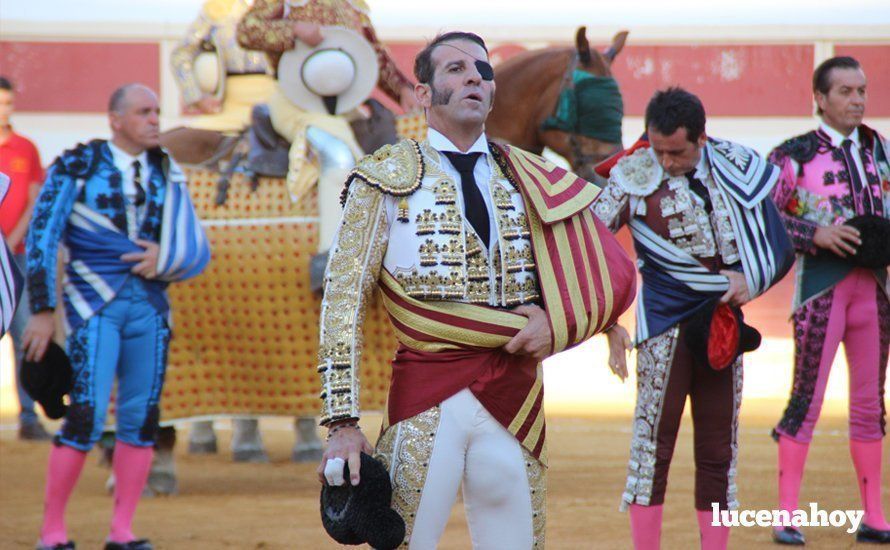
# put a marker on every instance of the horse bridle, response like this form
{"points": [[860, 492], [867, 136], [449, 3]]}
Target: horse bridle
{"points": [[568, 83]]}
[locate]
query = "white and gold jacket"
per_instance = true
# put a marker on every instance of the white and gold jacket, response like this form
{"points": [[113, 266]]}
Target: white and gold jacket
{"points": [[403, 212]]}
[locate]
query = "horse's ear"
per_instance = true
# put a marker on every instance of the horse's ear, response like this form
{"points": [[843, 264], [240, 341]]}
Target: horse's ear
{"points": [[617, 45], [583, 46], [590, 62]]}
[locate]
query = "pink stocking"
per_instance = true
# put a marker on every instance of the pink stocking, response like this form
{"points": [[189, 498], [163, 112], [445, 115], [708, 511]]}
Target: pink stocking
{"points": [[63, 470], [131, 465], [792, 458], [713, 537], [867, 461], [645, 526]]}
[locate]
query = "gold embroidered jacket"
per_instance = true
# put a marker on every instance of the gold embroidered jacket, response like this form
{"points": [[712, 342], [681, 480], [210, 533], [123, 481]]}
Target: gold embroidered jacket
{"points": [[404, 214], [215, 27], [268, 26]]}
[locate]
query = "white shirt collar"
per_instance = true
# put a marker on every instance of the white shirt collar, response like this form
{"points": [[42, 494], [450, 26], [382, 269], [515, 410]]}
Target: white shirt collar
{"points": [[701, 168], [442, 144], [838, 138], [123, 160]]}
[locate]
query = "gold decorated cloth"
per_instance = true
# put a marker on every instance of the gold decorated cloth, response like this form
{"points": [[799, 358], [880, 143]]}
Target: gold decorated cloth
{"points": [[245, 333], [412, 125]]}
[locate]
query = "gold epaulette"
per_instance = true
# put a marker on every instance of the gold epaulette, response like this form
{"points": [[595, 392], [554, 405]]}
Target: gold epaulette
{"points": [[395, 170], [638, 173]]}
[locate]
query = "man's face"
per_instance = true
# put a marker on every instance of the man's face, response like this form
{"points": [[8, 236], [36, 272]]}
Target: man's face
{"points": [[138, 121], [7, 103], [457, 95], [844, 105], [676, 154]]}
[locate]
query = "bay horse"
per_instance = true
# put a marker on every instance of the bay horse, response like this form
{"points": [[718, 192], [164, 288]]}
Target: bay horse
{"points": [[529, 86]]}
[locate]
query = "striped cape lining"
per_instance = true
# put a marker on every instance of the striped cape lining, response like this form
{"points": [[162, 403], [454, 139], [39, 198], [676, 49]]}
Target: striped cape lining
{"points": [[11, 280], [96, 244], [744, 180]]}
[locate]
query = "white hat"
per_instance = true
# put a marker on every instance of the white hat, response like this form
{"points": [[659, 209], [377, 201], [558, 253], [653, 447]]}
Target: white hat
{"points": [[334, 77]]}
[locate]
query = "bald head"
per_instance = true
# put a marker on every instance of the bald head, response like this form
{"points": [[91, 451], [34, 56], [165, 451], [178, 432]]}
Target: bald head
{"points": [[118, 100], [134, 113]]}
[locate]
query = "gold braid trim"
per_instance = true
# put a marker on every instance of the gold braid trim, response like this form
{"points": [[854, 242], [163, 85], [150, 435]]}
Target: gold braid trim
{"points": [[395, 170], [350, 280], [405, 449], [537, 486]]}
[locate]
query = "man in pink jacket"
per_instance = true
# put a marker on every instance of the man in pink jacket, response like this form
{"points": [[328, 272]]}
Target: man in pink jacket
{"points": [[830, 175]]}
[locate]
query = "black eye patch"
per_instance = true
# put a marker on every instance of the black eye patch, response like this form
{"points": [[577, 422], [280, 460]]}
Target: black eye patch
{"points": [[485, 70]]}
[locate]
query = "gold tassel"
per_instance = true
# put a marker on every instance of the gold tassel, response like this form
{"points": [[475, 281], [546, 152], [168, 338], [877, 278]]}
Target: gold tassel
{"points": [[403, 210]]}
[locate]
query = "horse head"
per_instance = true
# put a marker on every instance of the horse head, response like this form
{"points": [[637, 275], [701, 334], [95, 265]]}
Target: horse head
{"points": [[562, 98], [585, 122]]}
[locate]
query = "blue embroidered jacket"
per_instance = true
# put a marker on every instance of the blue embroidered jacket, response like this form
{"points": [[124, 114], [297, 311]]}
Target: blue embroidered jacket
{"points": [[82, 204]]}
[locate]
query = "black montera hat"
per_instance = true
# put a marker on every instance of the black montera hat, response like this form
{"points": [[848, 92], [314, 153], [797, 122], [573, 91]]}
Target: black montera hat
{"points": [[874, 232], [717, 335], [361, 514], [48, 380]]}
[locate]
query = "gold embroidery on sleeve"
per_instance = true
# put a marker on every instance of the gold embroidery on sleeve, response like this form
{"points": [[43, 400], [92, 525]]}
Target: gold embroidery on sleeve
{"points": [[351, 277]]}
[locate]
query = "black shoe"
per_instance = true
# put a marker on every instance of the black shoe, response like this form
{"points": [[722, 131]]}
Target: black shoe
{"points": [[61, 546], [141, 544], [870, 534], [789, 536], [33, 431]]}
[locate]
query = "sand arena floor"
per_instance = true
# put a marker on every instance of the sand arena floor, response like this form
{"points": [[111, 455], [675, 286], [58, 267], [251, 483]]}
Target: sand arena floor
{"points": [[271, 506]]}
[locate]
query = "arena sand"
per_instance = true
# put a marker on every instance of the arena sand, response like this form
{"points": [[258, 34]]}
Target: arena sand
{"points": [[270, 506]]}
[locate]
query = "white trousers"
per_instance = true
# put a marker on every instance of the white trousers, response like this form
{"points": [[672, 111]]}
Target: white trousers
{"points": [[473, 451]]}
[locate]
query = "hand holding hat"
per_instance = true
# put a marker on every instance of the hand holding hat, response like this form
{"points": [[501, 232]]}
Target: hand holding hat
{"points": [[308, 33], [48, 380], [873, 251], [362, 513], [717, 334], [38, 334], [334, 75]]}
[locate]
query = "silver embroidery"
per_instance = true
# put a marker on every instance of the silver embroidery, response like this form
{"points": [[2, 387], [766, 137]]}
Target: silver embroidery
{"points": [[689, 226], [654, 357], [722, 225], [732, 498], [734, 152], [609, 205]]}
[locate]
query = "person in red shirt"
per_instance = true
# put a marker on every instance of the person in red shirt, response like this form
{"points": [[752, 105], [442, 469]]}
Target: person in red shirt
{"points": [[20, 161]]}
